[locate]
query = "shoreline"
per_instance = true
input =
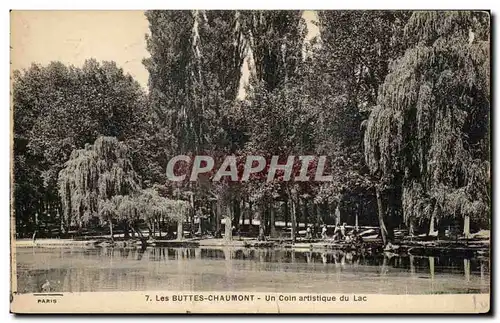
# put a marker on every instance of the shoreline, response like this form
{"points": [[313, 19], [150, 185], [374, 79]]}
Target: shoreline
{"points": [[474, 248]]}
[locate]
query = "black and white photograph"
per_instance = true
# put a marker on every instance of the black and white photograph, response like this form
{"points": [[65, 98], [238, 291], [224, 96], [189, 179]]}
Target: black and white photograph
{"points": [[310, 158]]}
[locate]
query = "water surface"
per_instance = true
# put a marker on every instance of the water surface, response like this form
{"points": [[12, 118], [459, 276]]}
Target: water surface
{"points": [[259, 270]]}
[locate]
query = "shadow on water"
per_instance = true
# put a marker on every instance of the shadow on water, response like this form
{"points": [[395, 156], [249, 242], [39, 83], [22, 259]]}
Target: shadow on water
{"points": [[112, 269]]}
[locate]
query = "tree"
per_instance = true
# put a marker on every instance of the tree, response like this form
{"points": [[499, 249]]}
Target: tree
{"points": [[191, 79], [92, 177], [429, 133], [195, 67], [350, 60], [354, 52], [154, 208], [273, 105], [275, 40], [28, 194], [58, 109], [282, 114]]}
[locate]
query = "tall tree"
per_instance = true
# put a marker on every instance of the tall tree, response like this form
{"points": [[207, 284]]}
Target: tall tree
{"points": [[58, 109], [195, 67], [92, 177], [275, 39], [350, 59], [429, 133], [274, 107]]}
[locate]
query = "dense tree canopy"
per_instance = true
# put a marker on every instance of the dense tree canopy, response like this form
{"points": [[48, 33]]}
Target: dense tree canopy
{"points": [[92, 177], [397, 101], [429, 133], [58, 109]]}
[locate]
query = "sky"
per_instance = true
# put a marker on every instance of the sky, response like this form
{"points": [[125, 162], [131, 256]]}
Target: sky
{"points": [[74, 36]]}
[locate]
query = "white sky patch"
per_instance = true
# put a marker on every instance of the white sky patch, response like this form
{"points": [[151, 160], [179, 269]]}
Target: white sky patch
{"points": [[248, 66], [74, 36]]}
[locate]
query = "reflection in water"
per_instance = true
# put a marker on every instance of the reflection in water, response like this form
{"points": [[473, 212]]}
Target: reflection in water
{"points": [[467, 269], [431, 271], [483, 272], [384, 269], [324, 259], [276, 270], [431, 267]]}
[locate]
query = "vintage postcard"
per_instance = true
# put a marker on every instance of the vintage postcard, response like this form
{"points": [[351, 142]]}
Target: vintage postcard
{"points": [[237, 161]]}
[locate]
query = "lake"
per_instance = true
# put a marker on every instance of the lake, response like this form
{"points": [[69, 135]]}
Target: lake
{"points": [[76, 269]]}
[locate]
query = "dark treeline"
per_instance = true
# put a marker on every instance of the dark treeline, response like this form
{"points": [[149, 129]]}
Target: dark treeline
{"points": [[398, 101]]}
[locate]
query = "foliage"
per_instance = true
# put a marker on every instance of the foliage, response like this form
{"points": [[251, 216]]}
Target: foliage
{"points": [[58, 109], [397, 101], [92, 177], [429, 133], [153, 206]]}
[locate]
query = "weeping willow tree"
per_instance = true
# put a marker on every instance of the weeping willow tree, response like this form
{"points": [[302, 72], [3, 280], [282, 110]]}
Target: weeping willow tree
{"points": [[179, 210], [128, 212], [428, 136], [155, 209], [92, 179], [106, 211]]}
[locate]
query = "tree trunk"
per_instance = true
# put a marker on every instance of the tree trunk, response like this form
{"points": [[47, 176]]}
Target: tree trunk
{"points": [[218, 211], [126, 233], [228, 232], [200, 225], [273, 224], [432, 231], [62, 229], [137, 232], [140, 236], [111, 230], [262, 223], [337, 215], [467, 227], [212, 216], [250, 219], [133, 232], [243, 215], [250, 215], [381, 214], [180, 229], [319, 221], [441, 228], [412, 228], [35, 232], [237, 213], [293, 216], [192, 212], [150, 230], [267, 216], [286, 212], [305, 214]]}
